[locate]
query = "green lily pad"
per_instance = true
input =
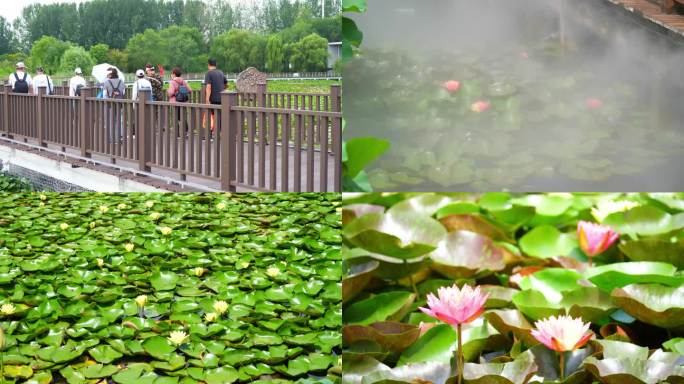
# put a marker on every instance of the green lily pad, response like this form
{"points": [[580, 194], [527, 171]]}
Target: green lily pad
{"points": [[617, 275], [655, 304], [164, 280], [158, 347], [518, 371], [644, 221], [390, 335], [464, 253], [546, 241], [381, 307]]}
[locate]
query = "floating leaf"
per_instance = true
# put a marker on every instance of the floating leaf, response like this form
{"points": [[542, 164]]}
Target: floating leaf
{"points": [[463, 254], [653, 303], [546, 241], [381, 307]]}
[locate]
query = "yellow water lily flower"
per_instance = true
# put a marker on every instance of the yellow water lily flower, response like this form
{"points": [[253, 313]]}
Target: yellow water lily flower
{"points": [[141, 300], [92, 225], [121, 206], [41, 204], [154, 215], [273, 271], [199, 271], [104, 208], [43, 197], [149, 203], [129, 247], [220, 206], [165, 230], [178, 337], [210, 317], [100, 263], [220, 307], [244, 264], [7, 309], [64, 226]]}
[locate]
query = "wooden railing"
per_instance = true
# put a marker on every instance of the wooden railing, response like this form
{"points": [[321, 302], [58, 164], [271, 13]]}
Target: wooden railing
{"points": [[251, 142]]}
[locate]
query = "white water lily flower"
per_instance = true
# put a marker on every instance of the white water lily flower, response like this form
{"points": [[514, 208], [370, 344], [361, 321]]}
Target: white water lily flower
{"points": [[154, 215], [178, 337], [100, 262], [64, 226], [165, 230], [273, 271], [121, 206], [220, 307], [141, 300], [149, 203], [104, 208], [129, 247], [7, 309], [606, 207], [210, 317]]}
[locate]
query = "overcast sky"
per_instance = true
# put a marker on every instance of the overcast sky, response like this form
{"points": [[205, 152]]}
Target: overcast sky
{"points": [[11, 9]]}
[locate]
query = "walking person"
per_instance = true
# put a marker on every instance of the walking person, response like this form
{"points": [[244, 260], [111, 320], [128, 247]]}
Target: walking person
{"points": [[42, 81], [215, 82], [20, 80], [76, 83], [178, 92], [157, 83], [114, 88]]}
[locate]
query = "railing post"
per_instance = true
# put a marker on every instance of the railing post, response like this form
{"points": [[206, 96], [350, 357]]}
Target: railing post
{"points": [[229, 131], [261, 95], [6, 108], [142, 132], [65, 88], [336, 98], [39, 116], [86, 121], [203, 94]]}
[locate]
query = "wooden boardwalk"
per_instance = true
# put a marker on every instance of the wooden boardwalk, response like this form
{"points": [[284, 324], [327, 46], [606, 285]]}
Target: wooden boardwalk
{"points": [[654, 13]]}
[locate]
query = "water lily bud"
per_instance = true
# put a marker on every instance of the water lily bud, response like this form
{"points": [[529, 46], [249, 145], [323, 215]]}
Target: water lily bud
{"points": [[129, 247], [149, 203], [7, 309], [480, 106], [451, 86], [100, 262], [43, 197], [104, 208], [220, 206], [154, 215], [141, 300], [273, 271], [177, 337], [92, 225], [593, 103], [121, 206], [2, 338], [210, 317], [595, 238], [221, 307], [165, 230], [199, 271], [64, 226]]}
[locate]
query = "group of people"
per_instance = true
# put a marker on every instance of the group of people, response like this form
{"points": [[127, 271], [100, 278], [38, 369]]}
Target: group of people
{"points": [[21, 81]]}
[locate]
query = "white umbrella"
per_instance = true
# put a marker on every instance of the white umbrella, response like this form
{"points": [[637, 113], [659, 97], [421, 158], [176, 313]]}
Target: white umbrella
{"points": [[100, 72]]}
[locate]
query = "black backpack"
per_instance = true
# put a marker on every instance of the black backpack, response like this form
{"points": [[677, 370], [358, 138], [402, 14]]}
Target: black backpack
{"points": [[20, 85], [116, 94], [78, 89], [182, 94]]}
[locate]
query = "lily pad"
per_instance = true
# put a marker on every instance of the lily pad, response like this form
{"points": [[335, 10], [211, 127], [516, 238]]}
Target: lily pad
{"points": [[381, 307], [655, 304], [464, 253]]}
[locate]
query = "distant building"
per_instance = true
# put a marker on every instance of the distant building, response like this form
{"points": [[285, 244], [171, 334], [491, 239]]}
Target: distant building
{"points": [[334, 53]]}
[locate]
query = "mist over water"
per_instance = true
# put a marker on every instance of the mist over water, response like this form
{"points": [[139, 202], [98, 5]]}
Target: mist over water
{"points": [[578, 96]]}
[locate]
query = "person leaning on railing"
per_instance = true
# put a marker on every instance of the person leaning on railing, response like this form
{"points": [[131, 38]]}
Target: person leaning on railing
{"points": [[20, 80]]}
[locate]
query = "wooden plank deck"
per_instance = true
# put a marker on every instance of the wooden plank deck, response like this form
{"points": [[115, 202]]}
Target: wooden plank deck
{"points": [[654, 13]]}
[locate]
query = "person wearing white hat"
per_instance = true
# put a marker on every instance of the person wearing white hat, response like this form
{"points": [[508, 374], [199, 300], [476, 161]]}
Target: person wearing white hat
{"points": [[141, 84], [20, 80], [42, 80], [76, 83]]}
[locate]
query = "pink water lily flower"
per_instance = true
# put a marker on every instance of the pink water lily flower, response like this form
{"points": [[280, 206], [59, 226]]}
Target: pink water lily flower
{"points": [[562, 333], [480, 106], [595, 238], [594, 103], [452, 86], [456, 306]]}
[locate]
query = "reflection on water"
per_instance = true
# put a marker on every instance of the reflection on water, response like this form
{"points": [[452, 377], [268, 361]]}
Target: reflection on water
{"points": [[487, 95]]}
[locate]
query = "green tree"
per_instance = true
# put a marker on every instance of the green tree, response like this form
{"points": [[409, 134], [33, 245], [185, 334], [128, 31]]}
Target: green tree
{"points": [[76, 57], [98, 53], [275, 54], [147, 47], [6, 37], [298, 31], [183, 47], [310, 54], [47, 53], [235, 50], [119, 59]]}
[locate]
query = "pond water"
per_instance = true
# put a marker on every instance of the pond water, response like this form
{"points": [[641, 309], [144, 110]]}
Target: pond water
{"points": [[524, 95]]}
